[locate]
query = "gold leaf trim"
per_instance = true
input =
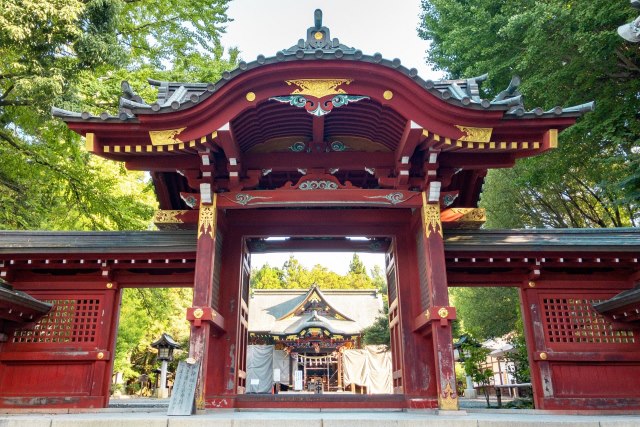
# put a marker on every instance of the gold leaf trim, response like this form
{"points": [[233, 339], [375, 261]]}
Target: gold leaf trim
{"points": [[470, 214], [168, 217], [165, 137], [207, 219], [318, 88], [448, 401], [475, 134], [431, 217]]}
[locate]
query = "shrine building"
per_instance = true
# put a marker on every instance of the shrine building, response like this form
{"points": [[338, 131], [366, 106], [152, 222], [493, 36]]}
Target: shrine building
{"points": [[312, 328], [318, 143]]}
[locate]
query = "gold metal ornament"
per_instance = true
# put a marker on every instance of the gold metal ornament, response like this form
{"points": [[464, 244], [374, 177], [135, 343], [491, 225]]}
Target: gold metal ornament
{"points": [[448, 402], [473, 134], [543, 356], [207, 219], [443, 312], [318, 35], [387, 95], [198, 313], [532, 284], [168, 216], [431, 217], [318, 88], [100, 356], [165, 137], [250, 96], [471, 214]]}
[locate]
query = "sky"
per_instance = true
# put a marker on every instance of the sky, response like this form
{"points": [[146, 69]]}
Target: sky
{"points": [[390, 28], [267, 26], [334, 261]]}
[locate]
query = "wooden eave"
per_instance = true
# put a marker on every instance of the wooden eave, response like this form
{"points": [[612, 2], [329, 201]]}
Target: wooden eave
{"points": [[623, 307], [18, 307]]}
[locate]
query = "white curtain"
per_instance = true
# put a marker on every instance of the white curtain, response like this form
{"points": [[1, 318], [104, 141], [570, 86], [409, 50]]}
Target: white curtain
{"points": [[370, 367]]}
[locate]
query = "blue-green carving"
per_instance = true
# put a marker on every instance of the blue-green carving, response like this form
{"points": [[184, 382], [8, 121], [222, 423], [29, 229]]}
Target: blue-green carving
{"points": [[449, 199], [343, 99], [295, 100], [318, 108], [297, 147], [338, 146]]}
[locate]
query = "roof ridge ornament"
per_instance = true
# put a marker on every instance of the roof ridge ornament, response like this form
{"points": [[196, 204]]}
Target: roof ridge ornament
{"points": [[319, 38]]}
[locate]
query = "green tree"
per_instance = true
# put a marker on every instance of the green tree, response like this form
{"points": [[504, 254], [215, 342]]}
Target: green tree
{"points": [[486, 312], [73, 54], [356, 266], [475, 365], [267, 277], [295, 275], [378, 333], [379, 279], [357, 275], [146, 313], [567, 53]]}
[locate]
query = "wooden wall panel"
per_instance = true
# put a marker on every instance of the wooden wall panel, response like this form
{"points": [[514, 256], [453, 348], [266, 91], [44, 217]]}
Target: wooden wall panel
{"points": [[596, 380], [46, 379]]}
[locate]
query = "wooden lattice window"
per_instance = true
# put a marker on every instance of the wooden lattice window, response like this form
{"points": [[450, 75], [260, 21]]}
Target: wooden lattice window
{"points": [[575, 321], [70, 321]]}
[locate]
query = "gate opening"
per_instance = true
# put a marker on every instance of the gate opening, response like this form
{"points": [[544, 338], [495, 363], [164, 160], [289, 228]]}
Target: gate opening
{"points": [[145, 315], [318, 322]]}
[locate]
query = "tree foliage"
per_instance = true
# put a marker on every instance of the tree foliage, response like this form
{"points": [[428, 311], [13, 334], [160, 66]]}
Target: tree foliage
{"points": [[294, 275], [144, 315], [73, 54], [475, 357], [567, 53], [379, 333], [486, 312]]}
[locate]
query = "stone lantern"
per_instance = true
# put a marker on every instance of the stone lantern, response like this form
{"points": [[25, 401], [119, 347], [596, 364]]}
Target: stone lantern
{"points": [[165, 346]]}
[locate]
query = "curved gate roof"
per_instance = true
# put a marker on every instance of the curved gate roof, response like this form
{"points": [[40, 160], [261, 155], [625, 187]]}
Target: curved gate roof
{"points": [[321, 107]]}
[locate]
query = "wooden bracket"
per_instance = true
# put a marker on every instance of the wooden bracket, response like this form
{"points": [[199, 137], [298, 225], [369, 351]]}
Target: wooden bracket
{"points": [[444, 314], [197, 315]]}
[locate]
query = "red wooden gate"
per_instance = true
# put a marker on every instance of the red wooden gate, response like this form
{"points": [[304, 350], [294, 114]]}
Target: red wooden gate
{"points": [[64, 359], [394, 321], [243, 322], [579, 358]]}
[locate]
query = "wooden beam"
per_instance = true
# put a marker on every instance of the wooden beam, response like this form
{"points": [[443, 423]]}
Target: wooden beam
{"points": [[338, 198], [163, 163], [411, 138], [225, 139], [318, 129]]}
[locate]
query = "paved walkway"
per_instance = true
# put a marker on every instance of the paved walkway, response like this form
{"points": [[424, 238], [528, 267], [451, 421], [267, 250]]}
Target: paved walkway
{"points": [[117, 417]]}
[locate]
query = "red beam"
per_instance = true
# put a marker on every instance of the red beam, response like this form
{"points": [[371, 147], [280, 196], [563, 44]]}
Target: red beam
{"points": [[324, 198]]}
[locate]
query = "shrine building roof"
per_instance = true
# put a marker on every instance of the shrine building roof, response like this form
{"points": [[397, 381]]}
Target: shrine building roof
{"points": [[289, 311]]}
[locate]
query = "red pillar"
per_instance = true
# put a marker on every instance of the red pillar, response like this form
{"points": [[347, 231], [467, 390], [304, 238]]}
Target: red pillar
{"points": [[439, 314], [205, 319]]}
